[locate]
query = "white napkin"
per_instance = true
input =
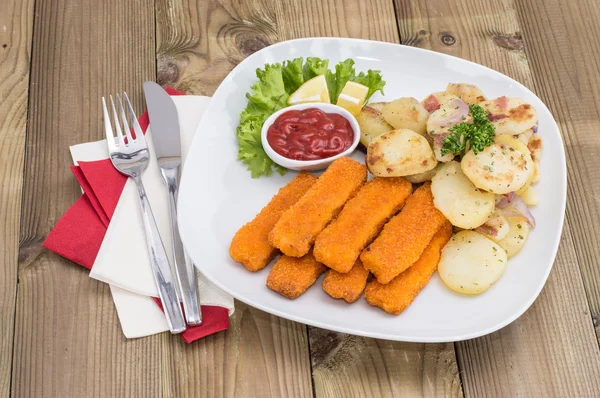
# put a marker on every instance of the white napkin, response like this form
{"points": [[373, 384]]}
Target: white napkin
{"points": [[122, 260]]}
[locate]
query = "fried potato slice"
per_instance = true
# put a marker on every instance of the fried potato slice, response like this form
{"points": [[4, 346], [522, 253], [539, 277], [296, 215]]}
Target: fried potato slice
{"points": [[372, 124], [469, 93], [499, 168], [406, 113], [517, 235], [398, 153], [471, 263], [458, 199], [510, 115], [434, 101]]}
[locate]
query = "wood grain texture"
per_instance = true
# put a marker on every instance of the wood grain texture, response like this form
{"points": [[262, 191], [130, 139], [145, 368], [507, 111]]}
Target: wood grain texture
{"points": [[67, 337], [259, 356], [198, 43], [551, 349], [16, 22], [563, 46], [353, 366]]}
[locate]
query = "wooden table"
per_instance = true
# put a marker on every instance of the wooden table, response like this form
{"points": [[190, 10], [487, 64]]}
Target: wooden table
{"points": [[59, 333]]}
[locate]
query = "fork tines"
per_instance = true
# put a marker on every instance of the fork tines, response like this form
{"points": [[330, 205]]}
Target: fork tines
{"points": [[120, 140]]}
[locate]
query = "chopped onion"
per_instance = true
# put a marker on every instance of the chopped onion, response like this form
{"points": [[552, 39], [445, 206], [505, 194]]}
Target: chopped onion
{"points": [[516, 207], [504, 200], [457, 115]]}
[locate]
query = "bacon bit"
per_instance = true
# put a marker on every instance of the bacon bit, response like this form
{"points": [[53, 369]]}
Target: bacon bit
{"points": [[431, 103], [438, 139], [502, 102]]}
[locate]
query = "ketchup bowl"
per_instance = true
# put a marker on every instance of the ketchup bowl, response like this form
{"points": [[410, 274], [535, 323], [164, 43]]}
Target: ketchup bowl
{"points": [[335, 129]]}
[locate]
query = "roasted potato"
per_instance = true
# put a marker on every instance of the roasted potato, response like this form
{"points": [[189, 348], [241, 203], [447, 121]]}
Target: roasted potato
{"points": [[406, 113], [496, 227], [499, 168], [517, 235], [529, 196], [524, 137], [399, 153], [377, 105], [458, 199], [422, 177], [469, 93], [535, 146], [433, 101], [372, 124], [517, 144], [513, 142], [471, 263], [510, 115]]}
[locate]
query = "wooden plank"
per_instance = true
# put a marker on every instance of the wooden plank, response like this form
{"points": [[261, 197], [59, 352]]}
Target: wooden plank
{"points": [[197, 45], [346, 365], [551, 350], [67, 338], [16, 22], [564, 74]]}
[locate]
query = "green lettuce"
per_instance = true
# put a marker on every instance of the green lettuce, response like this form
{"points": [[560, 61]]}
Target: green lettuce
{"points": [[276, 82]]}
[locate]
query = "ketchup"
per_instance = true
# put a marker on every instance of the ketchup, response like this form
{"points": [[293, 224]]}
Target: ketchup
{"points": [[310, 134]]}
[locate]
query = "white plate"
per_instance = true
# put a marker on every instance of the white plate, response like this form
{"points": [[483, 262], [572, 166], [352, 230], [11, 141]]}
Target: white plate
{"points": [[218, 196]]}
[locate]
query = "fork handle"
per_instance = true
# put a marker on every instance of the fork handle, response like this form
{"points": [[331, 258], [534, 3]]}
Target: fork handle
{"points": [[184, 267], [160, 265]]}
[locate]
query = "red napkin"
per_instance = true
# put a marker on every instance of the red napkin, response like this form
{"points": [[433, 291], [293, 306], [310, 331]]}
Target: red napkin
{"points": [[78, 234]]}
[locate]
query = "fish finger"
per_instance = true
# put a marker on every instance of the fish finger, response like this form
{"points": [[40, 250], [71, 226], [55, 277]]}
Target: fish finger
{"points": [[296, 230], [250, 245], [404, 237], [397, 295], [292, 276], [359, 222], [348, 286]]}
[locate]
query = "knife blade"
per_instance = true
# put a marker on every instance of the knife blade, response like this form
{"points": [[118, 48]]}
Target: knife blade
{"points": [[164, 123]]}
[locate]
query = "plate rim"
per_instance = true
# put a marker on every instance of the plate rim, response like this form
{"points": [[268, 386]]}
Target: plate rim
{"points": [[388, 336]]}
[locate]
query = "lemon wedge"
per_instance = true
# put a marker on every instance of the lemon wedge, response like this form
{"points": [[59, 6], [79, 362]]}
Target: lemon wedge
{"points": [[314, 90], [352, 97]]}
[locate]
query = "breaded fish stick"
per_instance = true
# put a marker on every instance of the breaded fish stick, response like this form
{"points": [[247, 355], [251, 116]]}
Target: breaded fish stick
{"points": [[250, 245], [291, 276], [359, 222], [404, 237], [348, 286], [298, 227], [397, 295]]}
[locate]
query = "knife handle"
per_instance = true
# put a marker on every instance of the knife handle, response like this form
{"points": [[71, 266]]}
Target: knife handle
{"points": [[184, 268], [160, 265]]}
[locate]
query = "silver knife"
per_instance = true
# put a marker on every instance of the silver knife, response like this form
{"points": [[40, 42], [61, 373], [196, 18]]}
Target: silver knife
{"points": [[167, 146]]}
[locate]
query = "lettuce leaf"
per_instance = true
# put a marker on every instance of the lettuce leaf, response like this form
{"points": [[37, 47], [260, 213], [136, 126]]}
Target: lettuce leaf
{"points": [[267, 96], [276, 82], [314, 67], [293, 76], [373, 80]]}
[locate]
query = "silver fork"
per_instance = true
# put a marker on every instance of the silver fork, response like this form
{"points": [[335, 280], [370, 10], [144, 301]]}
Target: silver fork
{"points": [[131, 157]]}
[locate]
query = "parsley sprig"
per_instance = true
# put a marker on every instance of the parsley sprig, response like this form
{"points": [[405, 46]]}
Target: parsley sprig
{"points": [[466, 136]]}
